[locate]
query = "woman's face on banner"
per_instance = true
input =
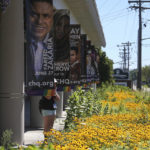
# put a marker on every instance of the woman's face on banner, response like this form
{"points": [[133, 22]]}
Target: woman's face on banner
{"points": [[41, 19], [88, 60], [97, 58], [62, 27], [73, 56]]}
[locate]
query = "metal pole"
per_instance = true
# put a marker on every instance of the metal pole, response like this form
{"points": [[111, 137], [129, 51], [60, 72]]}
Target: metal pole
{"points": [[139, 48]]}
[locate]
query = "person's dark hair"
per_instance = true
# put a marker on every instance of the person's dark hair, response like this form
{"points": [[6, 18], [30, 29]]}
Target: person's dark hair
{"points": [[74, 49], [61, 45], [59, 14], [48, 1]]}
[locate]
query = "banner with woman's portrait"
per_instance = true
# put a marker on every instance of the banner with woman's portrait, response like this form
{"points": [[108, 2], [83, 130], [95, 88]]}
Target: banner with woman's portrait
{"points": [[89, 67], [97, 62], [83, 58], [62, 46], [75, 54], [94, 64]]}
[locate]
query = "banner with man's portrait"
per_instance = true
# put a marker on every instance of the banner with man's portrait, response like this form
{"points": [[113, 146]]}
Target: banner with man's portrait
{"points": [[83, 58], [39, 47], [62, 46], [75, 54], [3, 5]]}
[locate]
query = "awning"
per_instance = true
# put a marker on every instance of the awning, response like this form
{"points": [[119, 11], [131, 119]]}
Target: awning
{"points": [[85, 12]]}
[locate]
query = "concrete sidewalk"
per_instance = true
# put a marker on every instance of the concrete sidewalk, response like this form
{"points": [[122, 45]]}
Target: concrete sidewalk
{"points": [[32, 136]]}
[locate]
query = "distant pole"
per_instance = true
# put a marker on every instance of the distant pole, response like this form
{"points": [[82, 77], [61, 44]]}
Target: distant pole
{"points": [[128, 56], [139, 48], [139, 63], [125, 55]]}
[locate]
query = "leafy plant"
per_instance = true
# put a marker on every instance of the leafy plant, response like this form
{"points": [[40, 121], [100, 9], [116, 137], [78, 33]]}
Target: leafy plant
{"points": [[82, 104], [106, 109], [6, 139]]}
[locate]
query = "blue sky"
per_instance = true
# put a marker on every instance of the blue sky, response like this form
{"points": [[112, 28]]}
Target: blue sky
{"points": [[120, 25]]}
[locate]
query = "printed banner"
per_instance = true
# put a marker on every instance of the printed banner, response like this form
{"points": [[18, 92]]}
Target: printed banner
{"points": [[97, 62], [39, 46], [83, 58], [3, 5], [62, 46], [75, 54], [94, 64], [89, 68]]}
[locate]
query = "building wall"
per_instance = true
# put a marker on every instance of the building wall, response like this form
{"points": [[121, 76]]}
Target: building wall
{"points": [[12, 67]]}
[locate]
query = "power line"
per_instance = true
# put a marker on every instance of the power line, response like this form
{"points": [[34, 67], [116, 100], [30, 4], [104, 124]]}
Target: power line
{"points": [[107, 22], [115, 16], [113, 6], [125, 55], [115, 12], [140, 8]]}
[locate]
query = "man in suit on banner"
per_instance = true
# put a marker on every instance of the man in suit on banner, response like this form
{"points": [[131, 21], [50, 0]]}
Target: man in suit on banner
{"points": [[39, 50]]}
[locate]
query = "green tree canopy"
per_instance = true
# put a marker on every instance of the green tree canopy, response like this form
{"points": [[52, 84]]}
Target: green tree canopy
{"points": [[146, 73], [105, 68]]}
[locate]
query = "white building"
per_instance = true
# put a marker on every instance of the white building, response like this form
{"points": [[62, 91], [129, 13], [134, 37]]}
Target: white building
{"points": [[12, 103]]}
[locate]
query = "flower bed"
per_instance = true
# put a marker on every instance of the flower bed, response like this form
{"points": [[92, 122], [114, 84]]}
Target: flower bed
{"points": [[110, 118], [123, 122]]}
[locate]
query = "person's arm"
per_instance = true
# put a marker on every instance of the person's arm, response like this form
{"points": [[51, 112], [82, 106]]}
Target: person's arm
{"points": [[56, 96]]}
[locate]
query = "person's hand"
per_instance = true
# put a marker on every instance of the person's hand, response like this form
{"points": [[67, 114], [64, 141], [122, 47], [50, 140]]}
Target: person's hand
{"points": [[57, 97], [48, 97]]}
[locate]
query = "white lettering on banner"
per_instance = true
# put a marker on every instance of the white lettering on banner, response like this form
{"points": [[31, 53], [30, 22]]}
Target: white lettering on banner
{"points": [[75, 36], [33, 83], [44, 73], [61, 66], [50, 72], [63, 81], [75, 30], [40, 84], [48, 56]]}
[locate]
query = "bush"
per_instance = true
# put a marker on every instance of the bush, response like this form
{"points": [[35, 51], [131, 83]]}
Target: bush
{"points": [[6, 139], [82, 104]]}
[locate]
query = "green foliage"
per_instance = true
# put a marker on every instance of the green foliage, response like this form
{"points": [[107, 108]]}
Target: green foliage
{"points": [[133, 74], [105, 68], [106, 87], [82, 104], [2, 148], [6, 139], [142, 96], [41, 147], [146, 73], [106, 109]]}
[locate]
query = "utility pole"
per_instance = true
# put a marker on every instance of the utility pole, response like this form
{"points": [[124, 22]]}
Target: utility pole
{"points": [[125, 55], [139, 48], [128, 44], [139, 40]]}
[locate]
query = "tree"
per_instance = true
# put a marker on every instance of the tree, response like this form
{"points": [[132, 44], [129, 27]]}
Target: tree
{"points": [[105, 68], [133, 74], [146, 73]]}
